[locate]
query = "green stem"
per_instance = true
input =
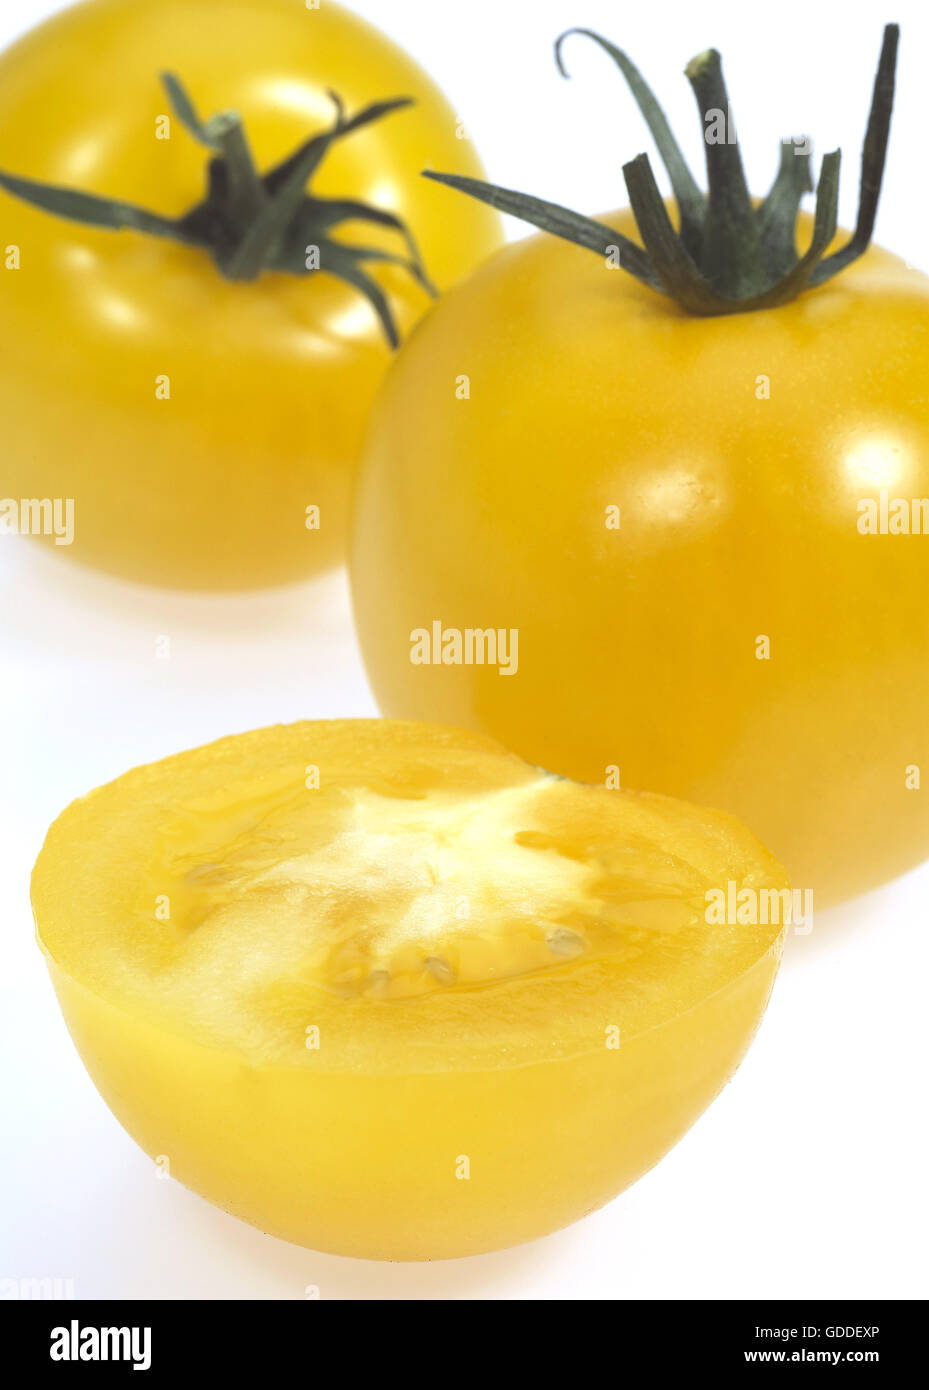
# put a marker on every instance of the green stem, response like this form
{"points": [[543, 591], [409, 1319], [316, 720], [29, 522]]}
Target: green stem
{"points": [[247, 196], [731, 251]]}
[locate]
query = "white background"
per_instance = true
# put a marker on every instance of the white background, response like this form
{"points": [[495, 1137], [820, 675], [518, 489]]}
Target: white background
{"points": [[807, 1177]]}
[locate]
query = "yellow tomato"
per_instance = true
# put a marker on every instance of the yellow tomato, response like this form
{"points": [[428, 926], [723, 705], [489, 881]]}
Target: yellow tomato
{"points": [[192, 419], [673, 513], [385, 990]]}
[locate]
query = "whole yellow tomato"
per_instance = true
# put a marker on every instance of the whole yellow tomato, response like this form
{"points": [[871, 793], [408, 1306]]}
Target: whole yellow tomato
{"points": [[204, 416], [692, 530], [385, 990]]}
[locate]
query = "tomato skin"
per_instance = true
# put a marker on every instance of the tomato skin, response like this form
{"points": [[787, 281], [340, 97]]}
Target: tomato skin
{"points": [[738, 520], [378, 1186], [271, 381]]}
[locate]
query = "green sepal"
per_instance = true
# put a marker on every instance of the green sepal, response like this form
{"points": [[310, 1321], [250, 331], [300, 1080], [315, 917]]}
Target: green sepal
{"points": [[249, 222], [728, 255]]}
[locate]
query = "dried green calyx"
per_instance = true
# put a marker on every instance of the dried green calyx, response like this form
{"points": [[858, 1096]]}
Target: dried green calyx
{"points": [[250, 222], [729, 255]]}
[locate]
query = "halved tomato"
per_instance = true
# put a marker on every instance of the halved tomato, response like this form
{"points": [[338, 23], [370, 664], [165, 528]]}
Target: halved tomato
{"points": [[386, 990]]}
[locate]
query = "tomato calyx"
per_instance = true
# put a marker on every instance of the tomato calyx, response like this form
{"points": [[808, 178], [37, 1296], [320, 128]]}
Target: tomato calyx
{"points": [[729, 256], [249, 222]]}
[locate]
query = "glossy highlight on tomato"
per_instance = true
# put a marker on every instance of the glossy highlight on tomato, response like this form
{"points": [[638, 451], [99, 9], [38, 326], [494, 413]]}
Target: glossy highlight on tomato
{"points": [[384, 989], [206, 429]]}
